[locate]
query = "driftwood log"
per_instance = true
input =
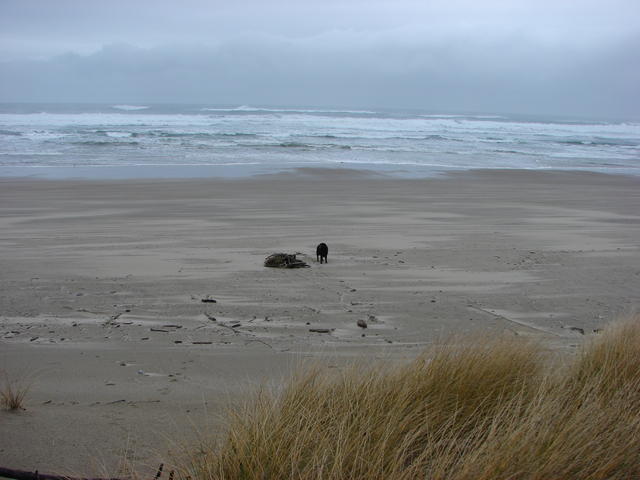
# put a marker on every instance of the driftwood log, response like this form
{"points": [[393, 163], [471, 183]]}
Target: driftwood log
{"points": [[284, 260]]}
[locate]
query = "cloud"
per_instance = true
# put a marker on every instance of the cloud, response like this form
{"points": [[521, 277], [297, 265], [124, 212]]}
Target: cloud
{"points": [[528, 57], [40, 28]]}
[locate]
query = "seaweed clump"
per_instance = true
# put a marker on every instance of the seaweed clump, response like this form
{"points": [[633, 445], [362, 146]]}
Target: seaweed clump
{"points": [[284, 260]]}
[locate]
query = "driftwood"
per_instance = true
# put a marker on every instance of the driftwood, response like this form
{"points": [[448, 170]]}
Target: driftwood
{"points": [[284, 260]]}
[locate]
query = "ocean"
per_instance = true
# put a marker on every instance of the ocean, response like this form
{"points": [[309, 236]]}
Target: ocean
{"points": [[184, 141]]}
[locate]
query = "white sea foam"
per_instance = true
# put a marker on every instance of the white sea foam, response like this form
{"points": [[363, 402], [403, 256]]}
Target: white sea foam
{"points": [[32, 153], [247, 108], [130, 108], [478, 117], [118, 134]]}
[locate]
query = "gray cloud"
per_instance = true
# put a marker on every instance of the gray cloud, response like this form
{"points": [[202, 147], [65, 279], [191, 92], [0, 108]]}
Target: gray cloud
{"points": [[520, 57]]}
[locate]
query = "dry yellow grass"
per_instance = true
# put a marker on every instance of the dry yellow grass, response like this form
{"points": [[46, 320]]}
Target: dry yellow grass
{"points": [[487, 410], [13, 393]]}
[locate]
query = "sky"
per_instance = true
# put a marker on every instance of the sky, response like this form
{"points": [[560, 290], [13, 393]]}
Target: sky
{"points": [[562, 57]]}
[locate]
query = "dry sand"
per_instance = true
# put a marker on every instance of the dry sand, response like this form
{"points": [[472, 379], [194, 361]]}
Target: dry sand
{"points": [[102, 282]]}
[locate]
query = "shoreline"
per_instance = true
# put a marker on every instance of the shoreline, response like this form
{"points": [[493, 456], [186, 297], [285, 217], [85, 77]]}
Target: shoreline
{"points": [[101, 279], [232, 172]]}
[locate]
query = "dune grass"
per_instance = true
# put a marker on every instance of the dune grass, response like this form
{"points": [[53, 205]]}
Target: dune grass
{"points": [[13, 393], [481, 410]]}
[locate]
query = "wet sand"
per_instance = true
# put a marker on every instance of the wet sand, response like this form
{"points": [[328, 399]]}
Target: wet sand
{"points": [[101, 288]]}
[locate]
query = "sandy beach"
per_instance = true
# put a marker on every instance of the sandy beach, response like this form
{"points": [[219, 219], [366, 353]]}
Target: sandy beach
{"points": [[102, 287]]}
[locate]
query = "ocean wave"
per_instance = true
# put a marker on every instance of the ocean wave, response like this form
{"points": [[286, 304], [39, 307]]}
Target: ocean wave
{"points": [[464, 117], [247, 108], [236, 134], [116, 134], [292, 145], [295, 145], [10, 133], [518, 152], [30, 154], [386, 149], [46, 136], [270, 137], [339, 146], [103, 143], [161, 134], [196, 135], [599, 141], [435, 137], [367, 136], [569, 141], [615, 142], [129, 108]]}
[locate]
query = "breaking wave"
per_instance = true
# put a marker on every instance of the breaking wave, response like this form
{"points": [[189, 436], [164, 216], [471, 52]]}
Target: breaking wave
{"points": [[130, 108], [247, 108], [10, 133]]}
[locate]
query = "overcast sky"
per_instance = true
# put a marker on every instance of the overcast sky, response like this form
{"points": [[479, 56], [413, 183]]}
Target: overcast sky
{"points": [[569, 57]]}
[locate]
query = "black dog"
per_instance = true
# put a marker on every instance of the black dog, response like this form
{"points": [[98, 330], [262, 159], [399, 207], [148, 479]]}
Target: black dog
{"points": [[321, 253]]}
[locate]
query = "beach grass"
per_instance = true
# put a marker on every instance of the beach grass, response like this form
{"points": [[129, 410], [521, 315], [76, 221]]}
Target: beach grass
{"points": [[485, 409], [13, 392]]}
